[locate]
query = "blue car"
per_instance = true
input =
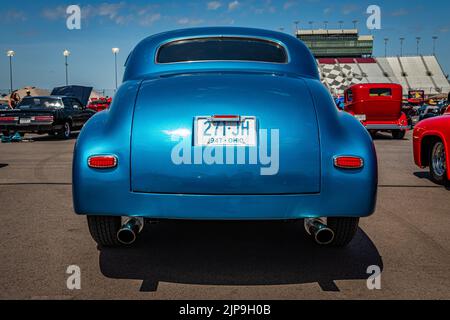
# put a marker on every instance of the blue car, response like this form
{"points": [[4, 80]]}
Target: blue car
{"points": [[223, 124]]}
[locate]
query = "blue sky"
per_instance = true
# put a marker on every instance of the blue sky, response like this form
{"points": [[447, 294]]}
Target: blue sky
{"points": [[37, 31]]}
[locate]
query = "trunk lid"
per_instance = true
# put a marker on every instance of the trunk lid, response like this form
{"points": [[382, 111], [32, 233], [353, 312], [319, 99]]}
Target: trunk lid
{"points": [[167, 106]]}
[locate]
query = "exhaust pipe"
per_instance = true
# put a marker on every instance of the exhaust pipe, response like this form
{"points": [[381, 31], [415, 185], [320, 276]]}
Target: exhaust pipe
{"points": [[320, 231], [130, 229]]}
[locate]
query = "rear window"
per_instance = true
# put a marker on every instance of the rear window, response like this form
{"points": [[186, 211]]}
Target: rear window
{"points": [[39, 103], [380, 92], [221, 49]]}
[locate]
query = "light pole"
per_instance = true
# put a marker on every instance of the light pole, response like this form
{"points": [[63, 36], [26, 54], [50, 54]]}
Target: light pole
{"points": [[115, 51], [418, 44], [401, 46], [311, 24], [325, 23], [355, 24], [386, 40], [296, 27], [341, 24], [434, 45], [66, 54], [10, 54]]}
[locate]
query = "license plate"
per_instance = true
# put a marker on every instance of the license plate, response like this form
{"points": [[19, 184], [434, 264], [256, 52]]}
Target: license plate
{"points": [[224, 133], [361, 117], [25, 120]]}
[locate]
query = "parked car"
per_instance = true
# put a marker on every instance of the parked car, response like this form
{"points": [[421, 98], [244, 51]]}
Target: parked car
{"points": [[427, 111], [432, 147], [58, 114], [192, 95], [99, 104], [378, 106]]}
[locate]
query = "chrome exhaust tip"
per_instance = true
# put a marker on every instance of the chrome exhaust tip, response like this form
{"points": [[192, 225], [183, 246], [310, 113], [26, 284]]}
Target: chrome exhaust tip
{"points": [[320, 231], [127, 234]]}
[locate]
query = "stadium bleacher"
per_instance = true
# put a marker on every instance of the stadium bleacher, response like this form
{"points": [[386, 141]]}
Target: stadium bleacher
{"points": [[414, 72]]}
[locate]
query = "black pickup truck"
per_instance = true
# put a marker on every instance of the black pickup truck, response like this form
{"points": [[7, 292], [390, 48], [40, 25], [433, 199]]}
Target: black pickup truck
{"points": [[59, 114]]}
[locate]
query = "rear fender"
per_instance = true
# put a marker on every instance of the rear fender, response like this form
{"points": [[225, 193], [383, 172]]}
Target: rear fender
{"points": [[107, 132], [342, 134]]}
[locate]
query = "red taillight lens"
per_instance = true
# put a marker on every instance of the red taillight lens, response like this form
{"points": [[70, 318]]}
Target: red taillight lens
{"points": [[346, 162], [43, 118], [102, 162], [8, 119]]}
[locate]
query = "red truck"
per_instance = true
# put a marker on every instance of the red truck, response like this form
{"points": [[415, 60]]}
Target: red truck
{"points": [[379, 107]]}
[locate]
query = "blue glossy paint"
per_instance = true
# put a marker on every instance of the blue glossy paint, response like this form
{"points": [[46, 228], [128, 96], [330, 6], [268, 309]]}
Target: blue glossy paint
{"points": [[156, 101]]}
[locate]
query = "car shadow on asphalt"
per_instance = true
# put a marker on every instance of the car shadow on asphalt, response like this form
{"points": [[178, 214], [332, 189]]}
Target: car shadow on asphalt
{"points": [[426, 175], [237, 254], [386, 136], [46, 137]]}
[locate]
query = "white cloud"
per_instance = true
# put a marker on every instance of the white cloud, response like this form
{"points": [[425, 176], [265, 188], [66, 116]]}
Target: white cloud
{"points": [[149, 19], [58, 12], [189, 22], [349, 9], [214, 5], [289, 4], [233, 5], [119, 13], [15, 15]]}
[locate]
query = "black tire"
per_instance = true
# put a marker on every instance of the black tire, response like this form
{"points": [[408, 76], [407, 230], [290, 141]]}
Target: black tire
{"points": [[373, 133], [437, 175], [344, 230], [66, 130], [398, 134], [104, 230]]}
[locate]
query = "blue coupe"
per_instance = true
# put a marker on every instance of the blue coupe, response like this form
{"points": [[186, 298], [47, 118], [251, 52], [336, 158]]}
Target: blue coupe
{"points": [[223, 124]]}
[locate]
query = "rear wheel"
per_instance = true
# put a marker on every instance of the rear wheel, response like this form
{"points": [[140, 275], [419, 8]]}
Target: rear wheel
{"points": [[438, 163], [373, 133], [344, 230], [104, 230], [66, 130], [398, 134]]}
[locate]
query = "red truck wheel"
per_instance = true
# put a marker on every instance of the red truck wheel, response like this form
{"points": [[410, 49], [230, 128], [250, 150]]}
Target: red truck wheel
{"points": [[398, 134], [438, 164]]}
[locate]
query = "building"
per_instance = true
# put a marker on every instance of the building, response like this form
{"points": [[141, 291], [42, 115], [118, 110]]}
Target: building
{"points": [[337, 43]]}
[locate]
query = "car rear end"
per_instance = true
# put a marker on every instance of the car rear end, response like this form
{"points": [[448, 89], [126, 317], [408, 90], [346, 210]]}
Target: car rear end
{"points": [[27, 121], [226, 139], [379, 107]]}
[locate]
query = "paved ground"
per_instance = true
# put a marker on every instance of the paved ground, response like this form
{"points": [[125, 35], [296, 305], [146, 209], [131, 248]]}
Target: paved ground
{"points": [[41, 236]]}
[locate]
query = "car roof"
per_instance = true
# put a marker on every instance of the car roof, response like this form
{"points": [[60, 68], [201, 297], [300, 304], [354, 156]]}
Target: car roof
{"points": [[141, 62], [51, 97]]}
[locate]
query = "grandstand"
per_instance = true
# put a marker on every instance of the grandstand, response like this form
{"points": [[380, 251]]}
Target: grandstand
{"points": [[345, 58]]}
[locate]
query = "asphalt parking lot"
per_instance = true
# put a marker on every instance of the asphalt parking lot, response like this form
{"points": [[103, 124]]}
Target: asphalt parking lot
{"points": [[408, 237]]}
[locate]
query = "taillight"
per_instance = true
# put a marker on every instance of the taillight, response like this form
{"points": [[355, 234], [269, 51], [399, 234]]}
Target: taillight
{"points": [[8, 119], [102, 162], [347, 162], [43, 118]]}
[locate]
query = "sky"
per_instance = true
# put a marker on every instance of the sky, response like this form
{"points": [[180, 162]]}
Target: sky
{"points": [[37, 31]]}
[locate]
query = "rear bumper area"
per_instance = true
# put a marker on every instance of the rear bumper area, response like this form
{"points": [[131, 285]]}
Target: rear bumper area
{"points": [[374, 126], [30, 128], [236, 207]]}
